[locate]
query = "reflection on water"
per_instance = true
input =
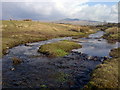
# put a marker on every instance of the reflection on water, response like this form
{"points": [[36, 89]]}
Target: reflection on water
{"points": [[96, 35], [96, 47], [31, 48], [91, 46]]}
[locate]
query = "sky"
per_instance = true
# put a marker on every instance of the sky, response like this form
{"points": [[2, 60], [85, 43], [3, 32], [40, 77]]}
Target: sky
{"points": [[53, 10]]}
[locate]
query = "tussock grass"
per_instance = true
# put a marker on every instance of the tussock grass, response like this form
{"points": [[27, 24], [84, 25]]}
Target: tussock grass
{"points": [[19, 32], [115, 53], [112, 30], [112, 34], [57, 49], [106, 74]]}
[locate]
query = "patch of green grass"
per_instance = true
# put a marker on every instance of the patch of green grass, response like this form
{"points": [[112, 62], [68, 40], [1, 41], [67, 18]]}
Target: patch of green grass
{"points": [[61, 52], [60, 48], [106, 74]]}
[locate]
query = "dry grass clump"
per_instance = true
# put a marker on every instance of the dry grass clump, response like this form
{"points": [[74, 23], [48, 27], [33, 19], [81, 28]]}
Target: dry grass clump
{"points": [[105, 75], [112, 34], [115, 53], [113, 30]]}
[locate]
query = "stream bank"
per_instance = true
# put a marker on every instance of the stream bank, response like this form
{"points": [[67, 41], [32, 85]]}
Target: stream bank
{"points": [[70, 71]]}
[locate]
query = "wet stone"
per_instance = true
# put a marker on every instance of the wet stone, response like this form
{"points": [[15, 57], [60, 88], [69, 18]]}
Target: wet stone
{"points": [[16, 84], [28, 44], [7, 51], [106, 57], [90, 57], [12, 69], [101, 60], [61, 66], [99, 40]]}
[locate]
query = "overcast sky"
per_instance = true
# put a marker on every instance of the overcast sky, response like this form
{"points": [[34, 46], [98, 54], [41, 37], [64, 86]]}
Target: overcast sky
{"points": [[60, 9]]}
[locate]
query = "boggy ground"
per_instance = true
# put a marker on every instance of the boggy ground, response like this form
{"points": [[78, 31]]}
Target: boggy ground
{"points": [[19, 32], [106, 75]]}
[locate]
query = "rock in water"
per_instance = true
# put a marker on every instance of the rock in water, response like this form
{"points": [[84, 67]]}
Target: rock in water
{"points": [[99, 40], [12, 69], [90, 57]]}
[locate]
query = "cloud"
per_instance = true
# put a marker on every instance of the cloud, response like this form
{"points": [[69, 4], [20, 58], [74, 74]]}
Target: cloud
{"points": [[98, 12], [59, 9]]}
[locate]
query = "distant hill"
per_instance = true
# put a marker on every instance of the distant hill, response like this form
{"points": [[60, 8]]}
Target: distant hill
{"points": [[79, 22], [69, 19]]}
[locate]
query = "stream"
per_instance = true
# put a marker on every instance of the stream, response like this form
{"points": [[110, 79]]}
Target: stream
{"points": [[70, 71]]}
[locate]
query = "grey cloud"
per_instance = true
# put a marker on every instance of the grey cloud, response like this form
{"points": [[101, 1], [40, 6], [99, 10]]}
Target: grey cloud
{"points": [[21, 11]]}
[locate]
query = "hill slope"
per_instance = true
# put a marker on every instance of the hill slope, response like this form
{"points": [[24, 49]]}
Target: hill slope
{"points": [[19, 32]]}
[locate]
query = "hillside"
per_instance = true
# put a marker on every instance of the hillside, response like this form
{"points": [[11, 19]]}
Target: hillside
{"points": [[19, 32]]}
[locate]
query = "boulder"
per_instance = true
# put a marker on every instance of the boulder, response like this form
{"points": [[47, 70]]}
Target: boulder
{"points": [[90, 57]]}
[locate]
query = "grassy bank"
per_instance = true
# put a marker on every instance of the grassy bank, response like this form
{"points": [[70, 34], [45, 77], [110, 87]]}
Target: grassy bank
{"points": [[60, 48], [106, 74], [112, 34], [19, 32]]}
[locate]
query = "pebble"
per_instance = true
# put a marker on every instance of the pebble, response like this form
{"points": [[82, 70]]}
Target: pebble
{"points": [[90, 57], [101, 60], [12, 69], [106, 57], [7, 47], [99, 40], [95, 59], [27, 44], [7, 51]]}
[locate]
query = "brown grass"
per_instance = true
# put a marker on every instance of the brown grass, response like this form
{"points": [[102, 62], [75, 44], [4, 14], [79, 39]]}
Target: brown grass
{"points": [[19, 32], [112, 34]]}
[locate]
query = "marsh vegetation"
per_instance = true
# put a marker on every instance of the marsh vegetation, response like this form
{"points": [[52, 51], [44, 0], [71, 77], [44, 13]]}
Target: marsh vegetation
{"points": [[65, 68]]}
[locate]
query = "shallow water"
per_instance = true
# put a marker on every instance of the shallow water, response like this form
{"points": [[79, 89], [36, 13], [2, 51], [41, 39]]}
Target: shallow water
{"points": [[70, 71], [96, 46]]}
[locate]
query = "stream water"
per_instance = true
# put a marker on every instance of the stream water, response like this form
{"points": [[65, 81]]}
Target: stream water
{"points": [[70, 71]]}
